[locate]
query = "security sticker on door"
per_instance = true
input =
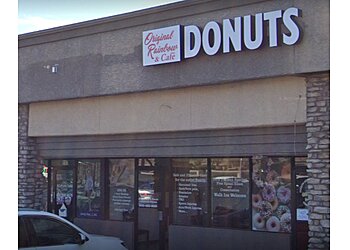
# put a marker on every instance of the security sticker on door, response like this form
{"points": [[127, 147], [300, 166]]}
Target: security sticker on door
{"points": [[62, 211]]}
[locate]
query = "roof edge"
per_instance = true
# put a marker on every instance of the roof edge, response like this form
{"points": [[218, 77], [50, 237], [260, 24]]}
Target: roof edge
{"points": [[126, 20]]}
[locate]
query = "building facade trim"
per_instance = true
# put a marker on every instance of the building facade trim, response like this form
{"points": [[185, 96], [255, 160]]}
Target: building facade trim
{"points": [[128, 20]]}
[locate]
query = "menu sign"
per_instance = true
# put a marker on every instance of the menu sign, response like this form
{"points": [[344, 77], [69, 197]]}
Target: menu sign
{"points": [[188, 192], [161, 46]]}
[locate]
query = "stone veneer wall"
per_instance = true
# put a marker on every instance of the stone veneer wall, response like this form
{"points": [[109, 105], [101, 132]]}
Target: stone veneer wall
{"points": [[32, 187], [318, 160]]}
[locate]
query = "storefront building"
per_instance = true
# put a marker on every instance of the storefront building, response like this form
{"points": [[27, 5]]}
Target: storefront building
{"points": [[194, 125]]}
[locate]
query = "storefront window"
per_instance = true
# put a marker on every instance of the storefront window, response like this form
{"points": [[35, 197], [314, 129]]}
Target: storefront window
{"points": [[301, 191], [271, 194], [148, 197], [190, 191], [121, 189], [230, 192], [89, 198], [147, 191]]}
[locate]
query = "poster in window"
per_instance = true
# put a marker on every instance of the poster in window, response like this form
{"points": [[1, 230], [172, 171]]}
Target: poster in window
{"points": [[230, 192], [191, 191], [89, 189], [121, 189], [271, 194]]}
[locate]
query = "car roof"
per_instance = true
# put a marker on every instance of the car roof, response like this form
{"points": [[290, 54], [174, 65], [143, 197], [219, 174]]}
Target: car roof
{"points": [[30, 211]]}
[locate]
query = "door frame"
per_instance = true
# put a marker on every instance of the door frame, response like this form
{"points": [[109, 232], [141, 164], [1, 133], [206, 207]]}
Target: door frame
{"points": [[52, 188], [296, 223], [164, 220]]}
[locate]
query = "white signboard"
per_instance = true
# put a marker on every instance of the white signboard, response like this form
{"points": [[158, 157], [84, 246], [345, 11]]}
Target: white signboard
{"points": [[161, 46]]}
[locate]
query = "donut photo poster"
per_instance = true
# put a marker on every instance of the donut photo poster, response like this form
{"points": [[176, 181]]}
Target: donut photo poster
{"points": [[271, 194]]}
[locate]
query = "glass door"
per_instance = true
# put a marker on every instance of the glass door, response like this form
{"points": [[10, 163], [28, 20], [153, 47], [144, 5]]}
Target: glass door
{"points": [[62, 199], [153, 204]]}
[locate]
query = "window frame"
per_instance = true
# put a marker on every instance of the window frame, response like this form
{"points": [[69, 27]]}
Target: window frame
{"points": [[292, 189], [105, 192], [108, 189], [249, 195], [209, 196], [207, 216], [103, 186]]}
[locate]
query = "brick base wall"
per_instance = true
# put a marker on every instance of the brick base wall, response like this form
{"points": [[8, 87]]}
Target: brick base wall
{"points": [[318, 161], [32, 186]]}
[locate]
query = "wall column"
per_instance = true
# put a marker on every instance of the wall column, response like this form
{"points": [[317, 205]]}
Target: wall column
{"points": [[318, 160], [32, 186]]}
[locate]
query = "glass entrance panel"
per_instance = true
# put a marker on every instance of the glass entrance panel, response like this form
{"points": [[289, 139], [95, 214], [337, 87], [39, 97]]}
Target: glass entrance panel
{"points": [[89, 189], [148, 197], [62, 188]]}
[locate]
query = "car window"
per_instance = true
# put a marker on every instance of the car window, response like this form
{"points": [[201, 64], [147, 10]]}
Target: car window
{"points": [[22, 234], [51, 232]]}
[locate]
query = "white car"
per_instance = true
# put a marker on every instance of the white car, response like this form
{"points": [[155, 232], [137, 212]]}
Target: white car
{"points": [[41, 230]]}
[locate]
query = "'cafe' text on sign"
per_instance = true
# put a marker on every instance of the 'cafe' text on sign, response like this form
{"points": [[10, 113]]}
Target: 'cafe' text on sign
{"points": [[161, 46]]}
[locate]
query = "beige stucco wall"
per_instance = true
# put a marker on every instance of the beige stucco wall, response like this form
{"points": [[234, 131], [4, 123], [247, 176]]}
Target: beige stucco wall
{"points": [[267, 102]]}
